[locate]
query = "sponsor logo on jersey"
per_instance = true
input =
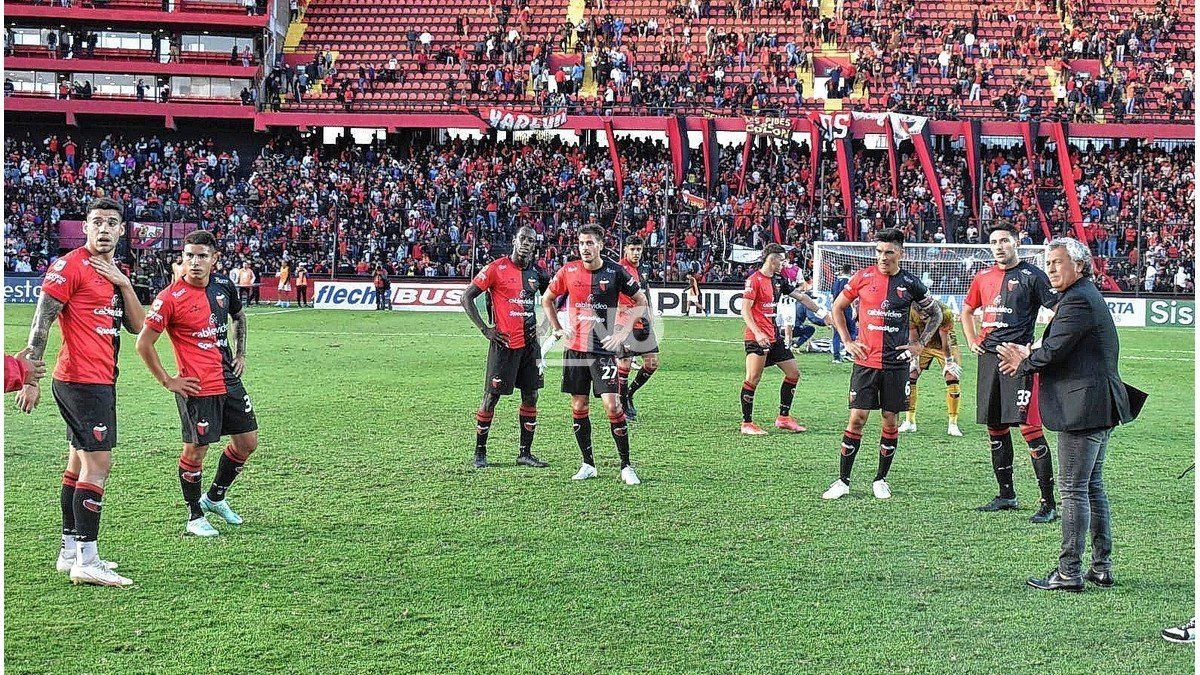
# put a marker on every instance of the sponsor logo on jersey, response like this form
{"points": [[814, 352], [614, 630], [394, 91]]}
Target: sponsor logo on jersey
{"points": [[178, 293], [99, 432]]}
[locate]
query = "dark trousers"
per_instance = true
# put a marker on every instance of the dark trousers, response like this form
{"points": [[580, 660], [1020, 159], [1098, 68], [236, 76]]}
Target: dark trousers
{"points": [[301, 294], [1084, 506]]}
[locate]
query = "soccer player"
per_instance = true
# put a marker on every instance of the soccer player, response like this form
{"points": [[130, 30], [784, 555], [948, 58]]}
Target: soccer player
{"points": [[91, 299], [764, 344], [643, 342], [511, 284], [284, 285], [879, 381], [1010, 294], [593, 285], [839, 284], [944, 348], [692, 296], [301, 286], [195, 313], [245, 283]]}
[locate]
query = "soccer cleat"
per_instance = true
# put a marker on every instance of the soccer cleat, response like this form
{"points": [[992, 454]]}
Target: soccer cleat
{"points": [[586, 471], [97, 574], [480, 461], [531, 460], [881, 489], [908, 427], [789, 424], [220, 508], [838, 489], [1185, 634], [952, 430], [201, 527], [1045, 513], [64, 565], [752, 429], [629, 476], [999, 504]]}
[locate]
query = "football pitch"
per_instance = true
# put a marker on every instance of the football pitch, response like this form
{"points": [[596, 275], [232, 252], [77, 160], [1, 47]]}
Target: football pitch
{"points": [[371, 545]]}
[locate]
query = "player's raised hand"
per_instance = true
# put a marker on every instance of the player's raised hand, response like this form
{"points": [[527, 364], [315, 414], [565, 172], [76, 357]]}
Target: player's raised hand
{"points": [[496, 336], [239, 365], [28, 397], [111, 272], [184, 386], [856, 349]]}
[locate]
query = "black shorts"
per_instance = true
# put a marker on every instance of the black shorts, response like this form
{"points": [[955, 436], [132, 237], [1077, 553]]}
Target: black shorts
{"points": [[90, 411], [509, 369], [205, 419], [1001, 400], [778, 352], [584, 372], [641, 341], [879, 389]]}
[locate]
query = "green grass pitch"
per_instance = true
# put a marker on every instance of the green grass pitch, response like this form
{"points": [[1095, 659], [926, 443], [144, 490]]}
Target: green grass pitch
{"points": [[371, 546]]}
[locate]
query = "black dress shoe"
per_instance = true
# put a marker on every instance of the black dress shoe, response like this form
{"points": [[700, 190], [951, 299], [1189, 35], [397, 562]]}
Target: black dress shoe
{"points": [[1056, 582], [1101, 578], [530, 460]]}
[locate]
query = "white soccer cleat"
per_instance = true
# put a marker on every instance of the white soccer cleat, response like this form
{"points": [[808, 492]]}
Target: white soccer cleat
{"points": [[908, 427], [64, 565], [838, 489], [629, 476], [96, 574], [220, 508], [201, 527], [952, 430], [881, 489], [587, 471]]}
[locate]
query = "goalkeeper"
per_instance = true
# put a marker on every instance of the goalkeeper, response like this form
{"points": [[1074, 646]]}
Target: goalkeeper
{"points": [[944, 348]]}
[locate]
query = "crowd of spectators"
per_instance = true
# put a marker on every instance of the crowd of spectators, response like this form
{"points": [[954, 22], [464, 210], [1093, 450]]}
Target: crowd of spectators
{"points": [[427, 209]]}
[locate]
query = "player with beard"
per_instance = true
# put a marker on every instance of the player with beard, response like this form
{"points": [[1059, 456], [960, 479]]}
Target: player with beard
{"points": [[91, 299], [195, 313], [511, 284], [1010, 294], [643, 342], [593, 286], [765, 346], [882, 353]]}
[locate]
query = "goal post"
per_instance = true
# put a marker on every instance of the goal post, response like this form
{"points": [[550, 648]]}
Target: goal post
{"points": [[945, 269]]}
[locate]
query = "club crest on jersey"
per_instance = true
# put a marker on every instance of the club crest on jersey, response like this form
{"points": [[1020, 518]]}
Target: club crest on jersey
{"points": [[900, 291], [92, 505], [221, 301], [1012, 285], [99, 432], [603, 284], [202, 427]]}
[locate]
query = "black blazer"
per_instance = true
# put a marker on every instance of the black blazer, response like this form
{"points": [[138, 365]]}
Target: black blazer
{"points": [[1080, 387]]}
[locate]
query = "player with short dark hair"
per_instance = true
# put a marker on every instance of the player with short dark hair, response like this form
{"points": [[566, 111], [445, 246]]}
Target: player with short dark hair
{"points": [[839, 284], [195, 313], [642, 343], [765, 346], [882, 353], [593, 286], [91, 299], [943, 348], [1009, 294], [510, 284]]}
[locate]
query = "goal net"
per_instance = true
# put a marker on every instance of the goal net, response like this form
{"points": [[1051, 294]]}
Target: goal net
{"points": [[945, 269]]}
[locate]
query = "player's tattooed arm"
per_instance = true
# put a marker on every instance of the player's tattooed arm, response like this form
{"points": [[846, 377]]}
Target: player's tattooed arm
{"points": [[931, 311], [239, 337], [47, 311]]}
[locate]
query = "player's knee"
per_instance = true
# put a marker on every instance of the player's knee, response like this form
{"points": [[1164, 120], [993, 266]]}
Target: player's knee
{"points": [[244, 444], [529, 399], [194, 452], [889, 422], [1031, 432]]}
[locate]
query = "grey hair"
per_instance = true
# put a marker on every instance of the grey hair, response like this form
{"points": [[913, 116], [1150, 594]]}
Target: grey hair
{"points": [[1078, 252]]}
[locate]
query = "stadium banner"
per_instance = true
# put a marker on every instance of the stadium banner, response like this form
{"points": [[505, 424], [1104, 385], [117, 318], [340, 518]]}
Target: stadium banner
{"points": [[512, 120], [1127, 312], [889, 136], [1181, 313], [777, 127], [614, 156], [972, 136], [845, 165], [22, 288], [406, 296], [143, 234]]}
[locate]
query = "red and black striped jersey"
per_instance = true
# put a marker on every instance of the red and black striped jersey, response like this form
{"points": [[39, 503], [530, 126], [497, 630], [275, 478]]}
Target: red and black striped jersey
{"points": [[1010, 300], [593, 299], [642, 284], [511, 298], [197, 321], [90, 320], [765, 292], [883, 306]]}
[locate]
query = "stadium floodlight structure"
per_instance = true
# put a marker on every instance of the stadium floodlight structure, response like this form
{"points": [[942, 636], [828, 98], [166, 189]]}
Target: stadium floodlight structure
{"points": [[946, 269]]}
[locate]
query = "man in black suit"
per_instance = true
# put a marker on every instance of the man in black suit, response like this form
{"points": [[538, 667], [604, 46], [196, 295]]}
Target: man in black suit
{"points": [[1082, 398]]}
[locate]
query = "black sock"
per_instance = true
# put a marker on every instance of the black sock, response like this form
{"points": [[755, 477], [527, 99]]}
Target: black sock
{"points": [[88, 501], [583, 435], [620, 434], [1043, 465], [643, 375], [888, 442], [189, 482], [227, 469], [66, 500], [528, 419], [747, 402], [483, 425], [787, 391], [850, 444], [623, 383], [1002, 460]]}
